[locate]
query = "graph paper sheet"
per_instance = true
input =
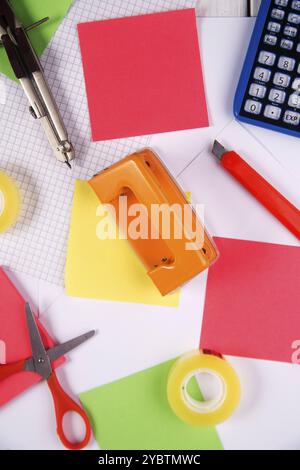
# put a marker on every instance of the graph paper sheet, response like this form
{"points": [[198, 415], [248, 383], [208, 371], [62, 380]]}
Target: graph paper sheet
{"points": [[37, 244]]}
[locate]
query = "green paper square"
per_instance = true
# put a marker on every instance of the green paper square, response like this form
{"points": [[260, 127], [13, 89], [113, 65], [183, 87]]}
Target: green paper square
{"points": [[134, 414], [30, 11]]}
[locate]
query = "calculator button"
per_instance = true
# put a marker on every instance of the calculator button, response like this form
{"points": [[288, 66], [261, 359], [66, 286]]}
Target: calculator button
{"points": [[294, 18], [253, 107], [287, 44], [259, 91], [274, 27], [262, 74], [281, 79], [277, 96], [299, 68], [296, 5], [278, 14], [296, 84], [291, 117], [267, 58], [294, 101], [270, 39], [286, 63], [272, 112], [281, 3], [298, 47], [290, 31]]}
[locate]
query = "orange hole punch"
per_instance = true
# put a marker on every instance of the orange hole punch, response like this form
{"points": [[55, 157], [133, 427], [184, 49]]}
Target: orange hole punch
{"points": [[144, 179]]}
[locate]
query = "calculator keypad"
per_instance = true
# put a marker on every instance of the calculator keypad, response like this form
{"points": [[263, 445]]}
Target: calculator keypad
{"points": [[292, 118], [253, 107], [281, 3], [277, 96], [295, 85], [273, 93], [262, 74], [293, 18], [290, 31], [281, 79], [270, 39], [294, 101], [296, 5], [266, 58], [258, 91], [274, 27], [286, 44], [277, 14], [286, 63]]}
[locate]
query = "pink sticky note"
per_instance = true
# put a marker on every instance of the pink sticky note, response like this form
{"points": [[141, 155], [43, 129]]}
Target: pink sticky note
{"points": [[14, 339], [143, 74], [252, 306]]}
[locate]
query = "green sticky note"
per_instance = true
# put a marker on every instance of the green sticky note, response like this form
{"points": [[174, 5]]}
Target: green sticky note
{"points": [[30, 11], [134, 414]]}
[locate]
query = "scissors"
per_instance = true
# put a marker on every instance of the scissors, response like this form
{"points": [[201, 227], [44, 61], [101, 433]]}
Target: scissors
{"points": [[40, 363]]}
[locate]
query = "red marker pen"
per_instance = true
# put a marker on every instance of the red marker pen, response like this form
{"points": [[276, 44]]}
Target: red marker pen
{"points": [[266, 194]]}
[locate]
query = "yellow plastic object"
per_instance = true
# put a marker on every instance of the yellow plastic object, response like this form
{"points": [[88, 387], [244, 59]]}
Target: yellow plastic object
{"points": [[10, 202], [203, 413], [144, 179]]}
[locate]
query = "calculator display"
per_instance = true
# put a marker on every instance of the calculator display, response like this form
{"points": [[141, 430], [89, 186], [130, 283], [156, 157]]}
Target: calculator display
{"points": [[269, 90]]}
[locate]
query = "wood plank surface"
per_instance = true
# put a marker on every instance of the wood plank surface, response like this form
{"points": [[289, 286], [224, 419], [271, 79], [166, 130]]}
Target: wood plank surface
{"points": [[227, 7]]}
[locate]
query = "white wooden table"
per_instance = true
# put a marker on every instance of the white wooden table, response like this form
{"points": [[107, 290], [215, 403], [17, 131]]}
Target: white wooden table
{"points": [[228, 7], [266, 382]]}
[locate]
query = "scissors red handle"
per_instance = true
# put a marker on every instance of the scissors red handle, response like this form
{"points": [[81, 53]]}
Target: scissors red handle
{"points": [[64, 404], [7, 370]]}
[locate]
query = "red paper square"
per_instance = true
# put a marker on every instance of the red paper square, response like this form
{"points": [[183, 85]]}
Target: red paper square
{"points": [[14, 334], [143, 74], [252, 306]]}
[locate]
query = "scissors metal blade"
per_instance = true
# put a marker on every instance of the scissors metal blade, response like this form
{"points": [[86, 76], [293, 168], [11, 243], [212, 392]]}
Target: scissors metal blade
{"points": [[40, 359], [61, 349]]}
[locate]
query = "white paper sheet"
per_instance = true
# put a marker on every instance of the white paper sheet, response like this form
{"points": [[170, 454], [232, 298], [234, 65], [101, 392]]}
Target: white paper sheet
{"points": [[268, 415], [230, 210]]}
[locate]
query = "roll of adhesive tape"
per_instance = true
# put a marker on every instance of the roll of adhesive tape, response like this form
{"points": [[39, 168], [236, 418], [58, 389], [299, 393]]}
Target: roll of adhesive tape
{"points": [[9, 202], [203, 413]]}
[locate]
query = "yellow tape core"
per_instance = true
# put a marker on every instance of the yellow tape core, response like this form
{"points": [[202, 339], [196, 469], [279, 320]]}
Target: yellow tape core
{"points": [[205, 413], [9, 202]]}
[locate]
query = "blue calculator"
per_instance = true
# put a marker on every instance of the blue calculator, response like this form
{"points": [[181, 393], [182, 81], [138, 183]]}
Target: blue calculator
{"points": [[268, 93]]}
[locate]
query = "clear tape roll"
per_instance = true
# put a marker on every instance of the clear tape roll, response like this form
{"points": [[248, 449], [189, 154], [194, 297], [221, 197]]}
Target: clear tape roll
{"points": [[203, 413], [10, 202]]}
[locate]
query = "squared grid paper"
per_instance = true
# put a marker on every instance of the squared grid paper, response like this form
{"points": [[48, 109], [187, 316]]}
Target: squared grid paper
{"points": [[37, 244]]}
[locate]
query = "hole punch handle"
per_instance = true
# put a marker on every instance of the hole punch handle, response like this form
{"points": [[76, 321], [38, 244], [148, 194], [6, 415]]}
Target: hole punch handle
{"points": [[64, 404], [171, 259]]}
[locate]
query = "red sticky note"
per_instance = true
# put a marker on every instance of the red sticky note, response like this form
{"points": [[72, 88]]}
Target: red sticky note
{"points": [[252, 306], [143, 74], [14, 339]]}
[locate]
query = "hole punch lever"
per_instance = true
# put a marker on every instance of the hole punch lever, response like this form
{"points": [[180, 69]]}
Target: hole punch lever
{"points": [[169, 260]]}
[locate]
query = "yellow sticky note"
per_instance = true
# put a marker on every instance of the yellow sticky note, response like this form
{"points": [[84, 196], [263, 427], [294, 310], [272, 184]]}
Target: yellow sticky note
{"points": [[105, 269]]}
